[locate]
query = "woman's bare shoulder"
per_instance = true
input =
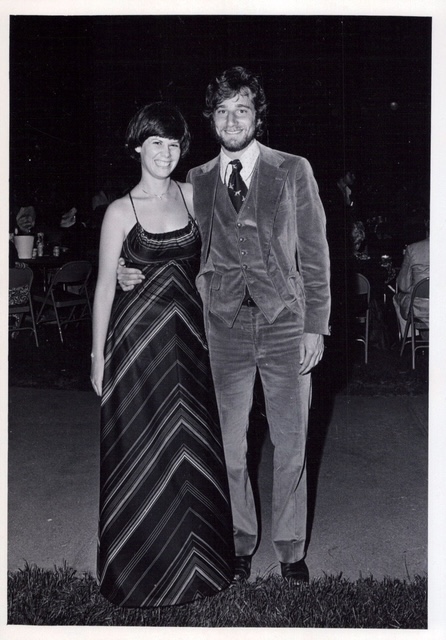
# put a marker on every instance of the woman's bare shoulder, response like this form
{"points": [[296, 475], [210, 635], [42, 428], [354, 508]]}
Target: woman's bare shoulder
{"points": [[121, 207], [186, 188], [188, 194]]}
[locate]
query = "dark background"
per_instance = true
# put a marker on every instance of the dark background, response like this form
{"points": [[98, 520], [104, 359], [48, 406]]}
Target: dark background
{"points": [[345, 92]]}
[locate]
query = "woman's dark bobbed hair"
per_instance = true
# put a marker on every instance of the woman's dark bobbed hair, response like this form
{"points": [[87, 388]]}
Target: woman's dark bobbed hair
{"points": [[157, 119]]}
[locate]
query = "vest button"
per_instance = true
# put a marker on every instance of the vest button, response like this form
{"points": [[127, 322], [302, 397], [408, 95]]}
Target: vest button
{"points": [[242, 239]]}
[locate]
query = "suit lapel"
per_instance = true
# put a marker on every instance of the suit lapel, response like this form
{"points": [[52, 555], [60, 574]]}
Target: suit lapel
{"points": [[205, 190], [270, 181]]}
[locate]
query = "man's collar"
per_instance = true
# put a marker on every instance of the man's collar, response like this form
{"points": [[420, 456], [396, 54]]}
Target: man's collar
{"points": [[252, 150], [248, 159]]}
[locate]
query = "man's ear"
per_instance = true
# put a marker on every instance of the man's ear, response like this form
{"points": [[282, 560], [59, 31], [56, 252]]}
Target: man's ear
{"points": [[138, 149]]}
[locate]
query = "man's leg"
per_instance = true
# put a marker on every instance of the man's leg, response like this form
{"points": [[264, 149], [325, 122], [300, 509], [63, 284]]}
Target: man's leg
{"points": [[287, 400], [400, 319], [233, 367]]}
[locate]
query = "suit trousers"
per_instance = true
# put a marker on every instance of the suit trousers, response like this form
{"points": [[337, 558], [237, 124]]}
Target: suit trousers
{"points": [[236, 353]]}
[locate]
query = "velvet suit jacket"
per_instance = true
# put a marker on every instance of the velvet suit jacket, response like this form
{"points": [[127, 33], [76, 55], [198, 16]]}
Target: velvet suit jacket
{"points": [[291, 227]]}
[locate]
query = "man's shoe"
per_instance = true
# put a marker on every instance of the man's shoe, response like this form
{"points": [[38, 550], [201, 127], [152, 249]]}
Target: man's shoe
{"points": [[295, 571], [242, 568]]}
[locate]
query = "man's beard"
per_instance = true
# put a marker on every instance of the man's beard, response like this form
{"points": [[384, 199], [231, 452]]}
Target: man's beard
{"points": [[234, 145]]}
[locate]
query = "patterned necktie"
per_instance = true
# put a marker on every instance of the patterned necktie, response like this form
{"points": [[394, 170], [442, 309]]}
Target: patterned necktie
{"points": [[236, 187]]}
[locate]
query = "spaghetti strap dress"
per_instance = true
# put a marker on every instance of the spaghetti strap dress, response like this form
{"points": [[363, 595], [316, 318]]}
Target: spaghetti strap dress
{"points": [[165, 528]]}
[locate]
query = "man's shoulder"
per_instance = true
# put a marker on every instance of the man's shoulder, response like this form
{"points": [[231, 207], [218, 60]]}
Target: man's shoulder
{"points": [[267, 154], [203, 168], [419, 248], [275, 156]]}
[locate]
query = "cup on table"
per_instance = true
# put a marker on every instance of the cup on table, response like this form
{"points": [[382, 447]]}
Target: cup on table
{"points": [[24, 246]]}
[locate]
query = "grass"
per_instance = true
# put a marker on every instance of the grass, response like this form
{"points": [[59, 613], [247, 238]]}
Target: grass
{"points": [[62, 597]]}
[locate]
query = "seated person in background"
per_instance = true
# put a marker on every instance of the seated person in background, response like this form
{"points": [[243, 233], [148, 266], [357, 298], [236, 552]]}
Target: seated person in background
{"points": [[359, 240], [13, 255], [26, 220], [68, 234], [72, 232], [415, 267], [17, 295]]}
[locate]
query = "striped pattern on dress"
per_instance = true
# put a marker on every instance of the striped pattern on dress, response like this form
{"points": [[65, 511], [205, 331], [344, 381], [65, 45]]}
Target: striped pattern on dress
{"points": [[165, 528]]}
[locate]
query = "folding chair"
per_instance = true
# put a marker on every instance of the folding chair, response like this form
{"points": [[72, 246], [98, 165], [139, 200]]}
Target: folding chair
{"points": [[361, 289], [417, 327], [67, 290], [20, 299]]}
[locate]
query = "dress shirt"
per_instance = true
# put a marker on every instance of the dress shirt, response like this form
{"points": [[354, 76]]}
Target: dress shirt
{"points": [[248, 160]]}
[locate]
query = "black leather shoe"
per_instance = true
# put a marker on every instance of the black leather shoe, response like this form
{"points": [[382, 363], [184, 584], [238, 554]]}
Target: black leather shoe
{"points": [[242, 568], [295, 571]]}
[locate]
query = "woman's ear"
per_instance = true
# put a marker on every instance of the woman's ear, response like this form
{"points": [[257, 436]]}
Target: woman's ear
{"points": [[138, 149]]}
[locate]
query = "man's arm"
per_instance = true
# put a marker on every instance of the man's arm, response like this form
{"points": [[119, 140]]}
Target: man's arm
{"points": [[128, 277], [312, 251], [404, 279]]}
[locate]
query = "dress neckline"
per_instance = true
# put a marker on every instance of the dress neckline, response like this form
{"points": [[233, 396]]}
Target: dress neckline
{"points": [[164, 233]]}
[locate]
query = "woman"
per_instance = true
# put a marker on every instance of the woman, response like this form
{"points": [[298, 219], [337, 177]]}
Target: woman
{"points": [[165, 529]]}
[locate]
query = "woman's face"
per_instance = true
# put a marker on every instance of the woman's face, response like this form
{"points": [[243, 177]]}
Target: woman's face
{"points": [[159, 156]]}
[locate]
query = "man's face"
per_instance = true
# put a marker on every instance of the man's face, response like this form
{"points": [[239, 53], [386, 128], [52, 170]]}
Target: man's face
{"points": [[235, 122], [349, 178], [26, 219]]}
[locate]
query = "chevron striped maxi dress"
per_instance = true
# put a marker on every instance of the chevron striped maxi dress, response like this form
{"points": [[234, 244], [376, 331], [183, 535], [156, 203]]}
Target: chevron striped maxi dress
{"points": [[165, 528]]}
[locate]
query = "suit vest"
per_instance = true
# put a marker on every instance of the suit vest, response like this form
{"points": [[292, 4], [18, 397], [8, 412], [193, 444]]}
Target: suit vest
{"points": [[237, 258]]}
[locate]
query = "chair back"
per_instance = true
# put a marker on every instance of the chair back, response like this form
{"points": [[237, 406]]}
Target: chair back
{"points": [[362, 285], [421, 289], [76, 272], [20, 277], [359, 306]]}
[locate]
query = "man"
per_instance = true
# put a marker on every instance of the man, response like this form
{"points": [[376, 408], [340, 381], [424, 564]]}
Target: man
{"points": [[344, 185], [264, 282], [415, 267], [26, 220]]}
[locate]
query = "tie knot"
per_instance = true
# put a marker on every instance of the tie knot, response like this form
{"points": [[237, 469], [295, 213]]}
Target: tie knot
{"points": [[237, 165]]}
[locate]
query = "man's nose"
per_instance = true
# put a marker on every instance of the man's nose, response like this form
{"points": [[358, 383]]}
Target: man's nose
{"points": [[232, 118]]}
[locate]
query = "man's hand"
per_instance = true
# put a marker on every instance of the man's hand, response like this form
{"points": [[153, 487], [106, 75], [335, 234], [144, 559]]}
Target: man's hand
{"points": [[311, 350], [128, 277]]}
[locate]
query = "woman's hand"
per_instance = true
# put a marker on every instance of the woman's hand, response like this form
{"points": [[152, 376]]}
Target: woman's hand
{"points": [[97, 373]]}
